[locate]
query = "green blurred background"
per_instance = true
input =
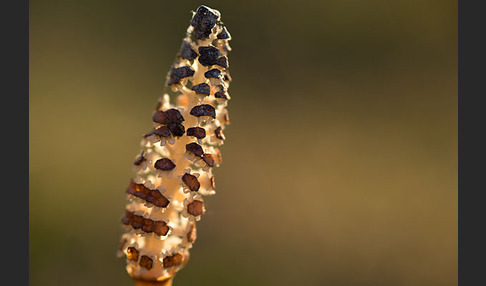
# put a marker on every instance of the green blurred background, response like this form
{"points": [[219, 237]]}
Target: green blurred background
{"points": [[340, 166]]}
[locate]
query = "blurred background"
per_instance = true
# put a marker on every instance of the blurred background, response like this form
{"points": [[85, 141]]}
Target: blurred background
{"points": [[340, 164]]}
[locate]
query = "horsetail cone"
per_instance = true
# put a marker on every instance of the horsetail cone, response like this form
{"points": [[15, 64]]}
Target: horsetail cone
{"points": [[173, 171]]}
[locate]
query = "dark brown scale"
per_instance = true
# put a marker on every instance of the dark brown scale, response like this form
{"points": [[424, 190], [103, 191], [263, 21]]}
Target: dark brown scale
{"points": [[177, 74], [174, 115], [187, 52], [208, 159], [195, 208], [202, 88], [164, 164], [132, 253], [191, 182], [222, 62], [195, 149], [139, 160], [151, 196], [148, 225], [197, 132], [146, 262], [209, 55], [177, 129], [214, 73], [174, 260], [203, 110], [224, 34], [219, 133], [138, 190], [127, 218], [161, 228], [157, 199], [137, 222], [221, 94], [203, 22], [160, 117], [162, 131], [192, 234]]}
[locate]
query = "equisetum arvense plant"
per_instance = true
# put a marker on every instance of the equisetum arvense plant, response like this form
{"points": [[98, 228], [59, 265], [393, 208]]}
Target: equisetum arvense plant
{"points": [[173, 171]]}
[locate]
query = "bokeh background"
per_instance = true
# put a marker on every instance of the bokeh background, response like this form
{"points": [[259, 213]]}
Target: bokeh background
{"points": [[340, 164]]}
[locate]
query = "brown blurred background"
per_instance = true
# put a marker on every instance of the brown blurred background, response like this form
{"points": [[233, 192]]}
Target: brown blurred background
{"points": [[340, 166]]}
